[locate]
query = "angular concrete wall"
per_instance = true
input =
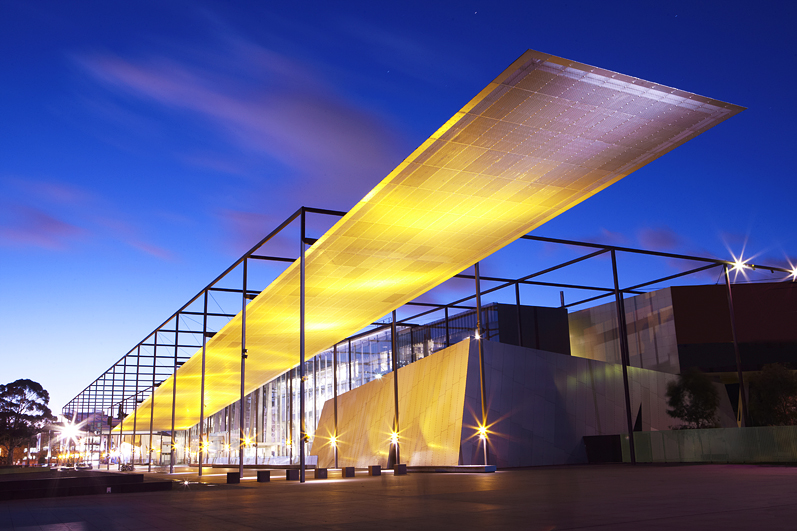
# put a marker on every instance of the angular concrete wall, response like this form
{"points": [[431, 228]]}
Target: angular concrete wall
{"points": [[540, 405]]}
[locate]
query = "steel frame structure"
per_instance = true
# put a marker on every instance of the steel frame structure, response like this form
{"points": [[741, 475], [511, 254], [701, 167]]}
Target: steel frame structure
{"points": [[138, 373]]}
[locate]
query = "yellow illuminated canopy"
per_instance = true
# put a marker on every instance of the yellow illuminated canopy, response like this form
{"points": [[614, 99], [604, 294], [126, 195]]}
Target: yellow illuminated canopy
{"points": [[545, 135]]}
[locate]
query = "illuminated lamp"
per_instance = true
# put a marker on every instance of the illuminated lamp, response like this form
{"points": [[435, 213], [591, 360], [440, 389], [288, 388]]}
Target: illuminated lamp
{"points": [[738, 264]]}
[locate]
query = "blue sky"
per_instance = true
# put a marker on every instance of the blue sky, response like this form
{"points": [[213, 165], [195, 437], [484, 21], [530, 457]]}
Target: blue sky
{"points": [[144, 146]]}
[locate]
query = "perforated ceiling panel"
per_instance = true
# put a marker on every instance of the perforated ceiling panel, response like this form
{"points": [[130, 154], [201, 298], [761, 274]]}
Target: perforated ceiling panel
{"points": [[545, 135]]}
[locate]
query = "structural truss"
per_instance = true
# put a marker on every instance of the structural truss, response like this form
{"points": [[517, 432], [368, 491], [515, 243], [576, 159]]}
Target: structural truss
{"points": [[546, 134]]}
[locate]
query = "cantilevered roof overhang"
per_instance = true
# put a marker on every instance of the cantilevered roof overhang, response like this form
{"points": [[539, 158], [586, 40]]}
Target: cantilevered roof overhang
{"points": [[545, 135]]}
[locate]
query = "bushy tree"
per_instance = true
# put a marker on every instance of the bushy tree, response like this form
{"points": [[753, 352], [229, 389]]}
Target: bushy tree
{"points": [[693, 399], [23, 413], [773, 396]]}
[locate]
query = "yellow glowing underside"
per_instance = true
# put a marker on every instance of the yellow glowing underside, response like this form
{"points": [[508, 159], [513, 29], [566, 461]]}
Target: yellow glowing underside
{"points": [[545, 135]]}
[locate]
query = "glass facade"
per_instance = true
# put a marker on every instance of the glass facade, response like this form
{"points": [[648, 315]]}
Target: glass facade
{"points": [[651, 332], [271, 413]]}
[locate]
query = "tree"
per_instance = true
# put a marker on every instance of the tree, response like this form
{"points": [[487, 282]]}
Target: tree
{"points": [[773, 396], [694, 400], [23, 413]]}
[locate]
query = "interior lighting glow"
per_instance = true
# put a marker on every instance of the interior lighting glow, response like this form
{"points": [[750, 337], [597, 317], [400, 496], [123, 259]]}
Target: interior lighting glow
{"points": [[378, 376]]}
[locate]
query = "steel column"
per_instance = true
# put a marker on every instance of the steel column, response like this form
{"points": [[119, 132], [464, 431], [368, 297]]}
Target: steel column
{"points": [[290, 416], [301, 347], [350, 363], [122, 407], [94, 423], [480, 333], [448, 334], [174, 396], [135, 403], [519, 322], [316, 361], [202, 386], [745, 421], [394, 348], [152, 401], [243, 376], [110, 417], [335, 398], [622, 333]]}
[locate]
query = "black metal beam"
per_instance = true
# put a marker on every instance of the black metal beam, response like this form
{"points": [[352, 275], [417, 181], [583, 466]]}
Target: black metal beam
{"points": [[272, 258], [662, 254], [325, 211], [167, 345], [548, 284], [439, 306], [233, 290], [230, 315]]}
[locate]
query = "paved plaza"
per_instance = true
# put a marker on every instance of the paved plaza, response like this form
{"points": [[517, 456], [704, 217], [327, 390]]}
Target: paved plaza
{"points": [[597, 497]]}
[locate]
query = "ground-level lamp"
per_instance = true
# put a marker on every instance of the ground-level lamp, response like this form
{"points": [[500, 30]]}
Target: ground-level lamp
{"points": [[482, 432], [333, 442], [394, 441]]}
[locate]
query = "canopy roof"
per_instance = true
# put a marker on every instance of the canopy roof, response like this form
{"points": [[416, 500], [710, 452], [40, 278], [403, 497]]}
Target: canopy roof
{"points": [[545, 135]]}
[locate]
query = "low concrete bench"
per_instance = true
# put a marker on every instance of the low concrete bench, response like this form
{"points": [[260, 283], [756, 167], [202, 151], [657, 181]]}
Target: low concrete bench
{"points": [[263, 476], [400, 470], [233, 477], [292, 474], [321, 473], [375, 470], [347, 472]]}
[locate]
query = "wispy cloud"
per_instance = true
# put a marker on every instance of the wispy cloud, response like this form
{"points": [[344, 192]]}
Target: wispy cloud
{"points": [[26, 226], [412, 56], [110, 226], [659, 239], [265, 104], [54, 216], [248, 228], [607, 237]]}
